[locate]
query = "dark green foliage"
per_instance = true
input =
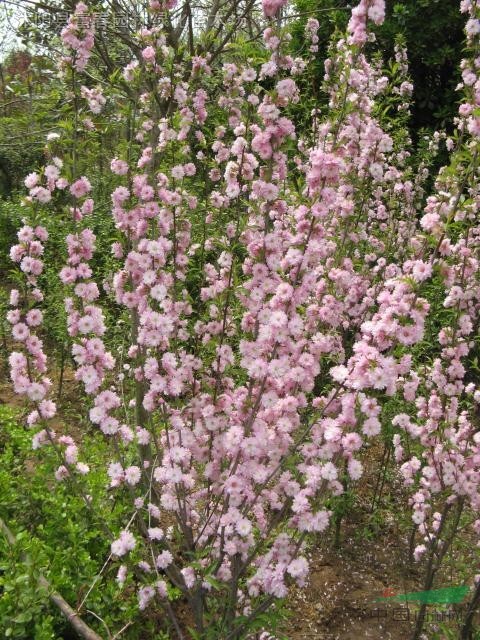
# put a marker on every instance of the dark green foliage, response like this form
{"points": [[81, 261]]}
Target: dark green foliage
{"points": [[57, 536], [433, 32]]}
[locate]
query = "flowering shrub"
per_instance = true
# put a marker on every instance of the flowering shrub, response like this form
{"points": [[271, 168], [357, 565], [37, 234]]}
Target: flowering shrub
{"points": [[278, 290]]}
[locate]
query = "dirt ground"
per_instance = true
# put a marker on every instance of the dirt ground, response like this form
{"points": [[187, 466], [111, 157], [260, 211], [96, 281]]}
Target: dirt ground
{"points": [[340, 600], [343, 598]]}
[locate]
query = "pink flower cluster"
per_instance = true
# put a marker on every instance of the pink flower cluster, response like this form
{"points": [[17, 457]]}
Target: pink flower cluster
{"points": [[311, 32], [366, 10], [25, 323], [79, 36], [95, 99], [85, 320], [28, 366], [271, 7], [51, 173]]}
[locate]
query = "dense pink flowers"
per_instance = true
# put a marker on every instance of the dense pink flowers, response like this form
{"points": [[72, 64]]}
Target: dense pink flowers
{"points": [[95, 99], [123, 544], [148, 54], [275, 298], [271, 7], [78, 35], [80, 187], [366, 10]]}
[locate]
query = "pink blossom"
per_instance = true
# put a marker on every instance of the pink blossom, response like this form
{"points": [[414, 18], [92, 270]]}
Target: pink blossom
{"points": [[132, 475], [148, 54], [123, 544], [164, 559], [120, 167], [271, 7], [80, 187], [32, 180]]}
